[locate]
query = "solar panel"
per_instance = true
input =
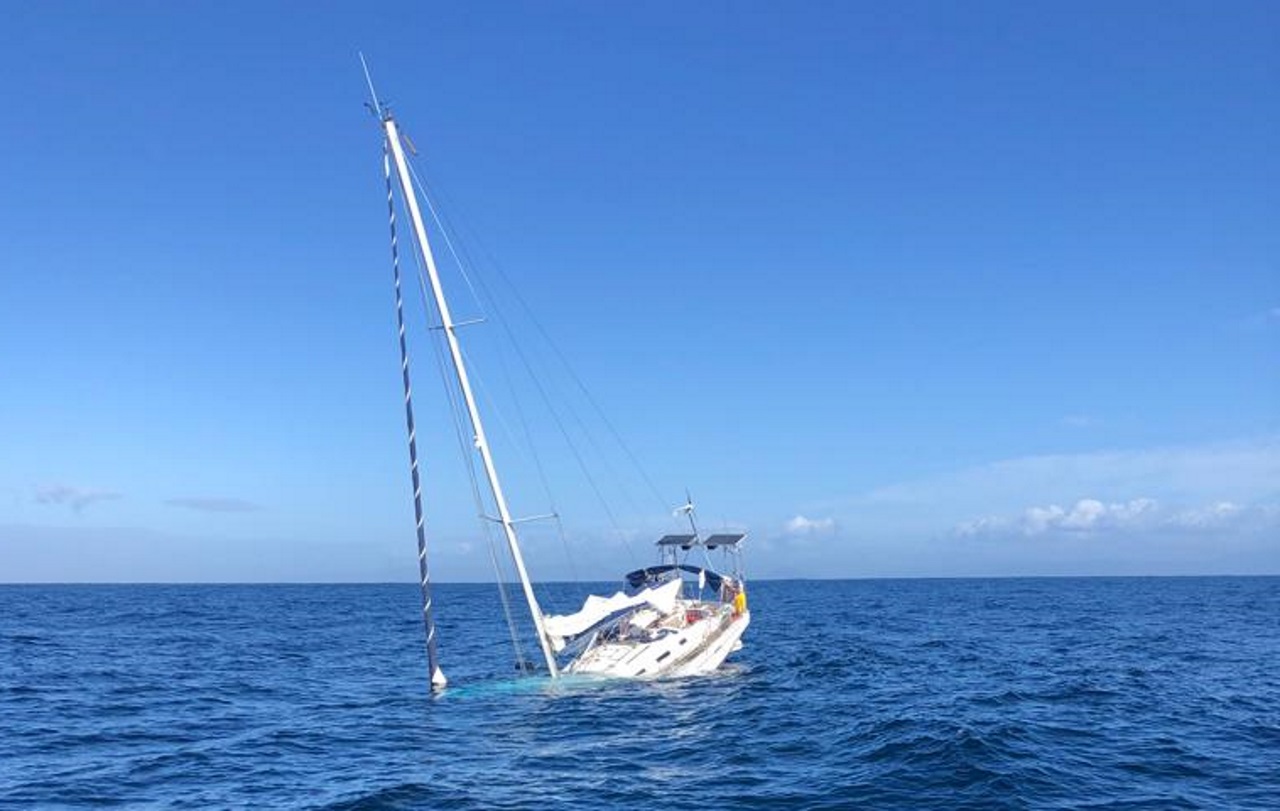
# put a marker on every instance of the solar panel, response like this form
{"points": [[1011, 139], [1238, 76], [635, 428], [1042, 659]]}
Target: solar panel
{"points": [[676, 540], [726, 539]]}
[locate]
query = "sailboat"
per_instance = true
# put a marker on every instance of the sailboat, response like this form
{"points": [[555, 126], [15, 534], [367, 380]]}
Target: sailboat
{"points": [[682, 616]]}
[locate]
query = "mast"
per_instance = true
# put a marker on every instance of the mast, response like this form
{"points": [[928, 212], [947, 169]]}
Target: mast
{"points": [[464, 383], [437, 677], [438, 680]]}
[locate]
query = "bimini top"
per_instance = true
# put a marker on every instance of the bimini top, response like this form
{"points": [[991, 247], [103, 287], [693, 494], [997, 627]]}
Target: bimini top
{"points": [[687, 542], [654, 574]]}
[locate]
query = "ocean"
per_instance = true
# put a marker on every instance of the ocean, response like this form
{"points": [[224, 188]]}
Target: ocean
{"points": [[1115, 693]]}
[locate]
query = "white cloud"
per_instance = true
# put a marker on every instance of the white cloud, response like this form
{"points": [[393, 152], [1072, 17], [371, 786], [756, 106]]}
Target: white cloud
{"points": [[986, 525], [1240, 472], [1215, 515], [77, 498], [1038, 519], [1089, 515], [800, 525]]}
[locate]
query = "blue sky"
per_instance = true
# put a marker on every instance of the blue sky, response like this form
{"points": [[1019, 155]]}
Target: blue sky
{"points": [[905, 289]]}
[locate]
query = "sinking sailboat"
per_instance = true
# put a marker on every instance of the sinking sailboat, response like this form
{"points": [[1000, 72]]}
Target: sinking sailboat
{"points": [[682, 616], [678, 620]]}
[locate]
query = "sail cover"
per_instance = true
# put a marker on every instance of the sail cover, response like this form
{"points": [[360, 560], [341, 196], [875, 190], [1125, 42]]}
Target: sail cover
{"points": [[597, 609]]}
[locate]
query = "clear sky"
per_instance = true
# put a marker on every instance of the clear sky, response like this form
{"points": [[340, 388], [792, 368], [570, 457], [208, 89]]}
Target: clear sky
{"points": [[903, 288]]}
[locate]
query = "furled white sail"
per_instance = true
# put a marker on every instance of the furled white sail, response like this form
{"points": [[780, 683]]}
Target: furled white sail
{"points": [[597, 609]]}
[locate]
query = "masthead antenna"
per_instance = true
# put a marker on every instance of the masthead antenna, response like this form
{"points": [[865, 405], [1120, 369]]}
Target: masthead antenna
{"points": [[377, 105]]}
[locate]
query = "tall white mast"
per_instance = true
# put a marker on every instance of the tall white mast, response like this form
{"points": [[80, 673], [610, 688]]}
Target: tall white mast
{"points": [[464, 383]]}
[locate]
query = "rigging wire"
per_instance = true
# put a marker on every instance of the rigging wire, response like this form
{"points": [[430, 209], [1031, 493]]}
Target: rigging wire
{"points": [[455, 410], [568, 368], [501, 577], [542, 474], [547, 400], [536, 459], [444, 232], [584, 429]]}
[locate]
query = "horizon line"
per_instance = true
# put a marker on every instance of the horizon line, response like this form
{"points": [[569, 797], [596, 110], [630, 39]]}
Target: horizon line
{"points": [[9, 583]]}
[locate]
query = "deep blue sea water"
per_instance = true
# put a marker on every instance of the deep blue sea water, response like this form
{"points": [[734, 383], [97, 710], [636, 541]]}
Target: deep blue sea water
{"points": [[1157, 693]]}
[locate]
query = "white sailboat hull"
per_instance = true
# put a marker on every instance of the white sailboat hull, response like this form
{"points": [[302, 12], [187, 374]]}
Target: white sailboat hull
{"points": [[677, 647]]}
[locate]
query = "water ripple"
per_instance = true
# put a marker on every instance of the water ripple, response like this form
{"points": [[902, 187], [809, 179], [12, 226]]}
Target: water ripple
{"points": [[964, 694]]}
